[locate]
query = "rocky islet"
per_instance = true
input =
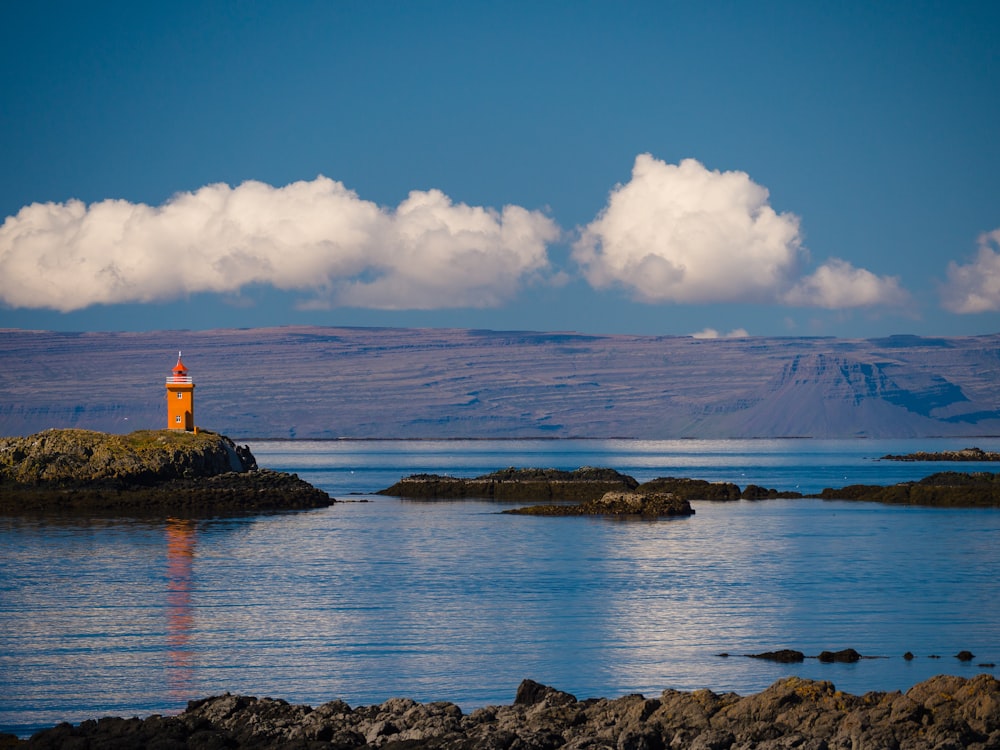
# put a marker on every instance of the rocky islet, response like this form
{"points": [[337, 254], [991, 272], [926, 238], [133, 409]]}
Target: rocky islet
{"points": [[143, 472]]}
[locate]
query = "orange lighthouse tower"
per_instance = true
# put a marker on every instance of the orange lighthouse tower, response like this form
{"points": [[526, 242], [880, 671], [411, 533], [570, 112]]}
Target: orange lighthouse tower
{"points": [[180, 398]]}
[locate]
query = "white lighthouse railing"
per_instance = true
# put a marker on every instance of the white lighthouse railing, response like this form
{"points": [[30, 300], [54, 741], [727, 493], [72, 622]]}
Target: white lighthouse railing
{"points": [[184, 379]]}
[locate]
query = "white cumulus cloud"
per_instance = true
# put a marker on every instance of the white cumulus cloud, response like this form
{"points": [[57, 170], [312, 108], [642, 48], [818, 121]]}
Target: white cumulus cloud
{"points": [[975, 287], [684, 233], [314, 236], [837, 284]]}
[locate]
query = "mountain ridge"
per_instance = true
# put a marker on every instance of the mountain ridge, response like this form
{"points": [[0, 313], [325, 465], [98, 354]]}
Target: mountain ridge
{"points": [[340, 382]]}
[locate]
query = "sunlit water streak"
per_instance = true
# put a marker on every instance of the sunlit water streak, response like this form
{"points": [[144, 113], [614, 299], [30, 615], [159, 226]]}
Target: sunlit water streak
{"points": [[454, 601]]}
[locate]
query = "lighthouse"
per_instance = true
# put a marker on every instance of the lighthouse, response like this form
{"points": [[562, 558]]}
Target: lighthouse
{"points": [[180, 398]]}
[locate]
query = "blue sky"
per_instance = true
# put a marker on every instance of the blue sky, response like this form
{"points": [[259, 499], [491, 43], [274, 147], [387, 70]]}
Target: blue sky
{"points": [[604, 167]]}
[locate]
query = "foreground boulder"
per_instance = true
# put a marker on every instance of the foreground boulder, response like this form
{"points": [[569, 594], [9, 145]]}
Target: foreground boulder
{"points": [[943, 712], [644, 504], [586, 483], [148, 471]]}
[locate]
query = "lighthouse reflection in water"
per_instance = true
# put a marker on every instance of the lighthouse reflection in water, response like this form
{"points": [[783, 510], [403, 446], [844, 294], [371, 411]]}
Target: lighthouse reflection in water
{"points": [[180, 613]]}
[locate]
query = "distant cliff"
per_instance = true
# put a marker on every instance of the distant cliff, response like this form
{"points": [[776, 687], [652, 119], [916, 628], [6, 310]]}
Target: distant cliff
{"points": [[144, 471], [312, 382]]}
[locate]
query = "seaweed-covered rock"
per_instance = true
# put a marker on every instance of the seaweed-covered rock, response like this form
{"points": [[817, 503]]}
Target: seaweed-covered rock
{"points": [[513, 484], [755, 492], [692, 489], [783, 656], [700, 489], [845, 656], [947, 489], [645, 504], [966, 454]]}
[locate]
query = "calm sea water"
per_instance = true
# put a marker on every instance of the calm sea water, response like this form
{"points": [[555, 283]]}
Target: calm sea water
{"points": [[455, 601]]}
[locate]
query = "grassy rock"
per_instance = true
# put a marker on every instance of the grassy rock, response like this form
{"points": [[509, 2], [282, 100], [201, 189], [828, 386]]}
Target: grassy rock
{"points": [[75, 457], [149, 471]]}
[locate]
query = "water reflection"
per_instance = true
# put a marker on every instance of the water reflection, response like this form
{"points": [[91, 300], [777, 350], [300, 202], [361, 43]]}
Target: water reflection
{"points": [[180, 611]]}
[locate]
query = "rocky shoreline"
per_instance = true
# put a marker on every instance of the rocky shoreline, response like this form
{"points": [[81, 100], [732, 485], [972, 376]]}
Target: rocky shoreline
{"points": [[944, 712], [148, 472]]}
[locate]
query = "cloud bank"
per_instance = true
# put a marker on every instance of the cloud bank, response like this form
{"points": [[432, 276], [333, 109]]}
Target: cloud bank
{"points": [[683, 233], [673, 233], [975, 287], [314, 236]]}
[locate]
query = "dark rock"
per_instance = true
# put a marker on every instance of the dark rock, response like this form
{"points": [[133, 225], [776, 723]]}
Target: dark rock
{"points": [[908, 656], [946, 489], [651, 505], [965, 656], [585, 483], [844, 656], [966, 454], [785, 656], [847, 656], [692, 489], [754, 492], [530, 693]]}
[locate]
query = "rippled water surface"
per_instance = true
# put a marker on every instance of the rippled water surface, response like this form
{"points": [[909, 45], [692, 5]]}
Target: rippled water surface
{"points": [[454, 601]]}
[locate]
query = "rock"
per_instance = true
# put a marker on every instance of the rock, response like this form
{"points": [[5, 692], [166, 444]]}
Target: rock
{"points": [[846, 656], [145, 457], [754, 492], [941, 712], [646, 505], [144, 472], [966, 454], [785, 656], [530, 693], [692, 489], [585, 483], [965, 656], [946, 489], [699, 489]]}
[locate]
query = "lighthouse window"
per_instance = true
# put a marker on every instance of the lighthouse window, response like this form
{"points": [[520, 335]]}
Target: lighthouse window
{"points": [[180, 395], [177, 419]]}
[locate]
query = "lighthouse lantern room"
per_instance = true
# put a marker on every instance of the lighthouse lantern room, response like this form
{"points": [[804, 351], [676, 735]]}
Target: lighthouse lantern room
{"points": [[180, 398]]}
